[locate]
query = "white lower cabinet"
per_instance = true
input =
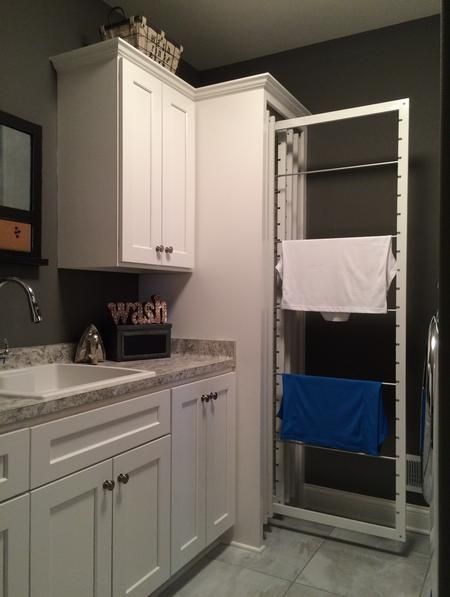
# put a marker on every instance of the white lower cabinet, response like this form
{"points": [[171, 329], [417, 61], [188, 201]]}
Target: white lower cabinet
{"points": [[71, 532], [141, 519], [203, 465], [149, 496], [111, 520], [14, 547]]}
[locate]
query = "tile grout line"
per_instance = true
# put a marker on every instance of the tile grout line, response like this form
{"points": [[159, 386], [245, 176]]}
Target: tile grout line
{"points": [[301, 584], [422, 586], [321, 538], [288, 589], [242, 566], [309, 559]]}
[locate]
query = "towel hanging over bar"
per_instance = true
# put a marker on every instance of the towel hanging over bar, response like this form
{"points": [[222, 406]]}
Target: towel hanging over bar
{"points": [[347, 414], [337, 276], [383, 383]]}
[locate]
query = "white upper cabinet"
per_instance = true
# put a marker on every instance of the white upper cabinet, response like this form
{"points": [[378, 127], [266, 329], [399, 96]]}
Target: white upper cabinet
{"points": [[178, 178], [141, 127], [126, 162]]}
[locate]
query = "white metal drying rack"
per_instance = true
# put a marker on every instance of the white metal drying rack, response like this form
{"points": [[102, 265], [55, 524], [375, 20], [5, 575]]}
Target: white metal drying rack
{"points": [[289, 156]]}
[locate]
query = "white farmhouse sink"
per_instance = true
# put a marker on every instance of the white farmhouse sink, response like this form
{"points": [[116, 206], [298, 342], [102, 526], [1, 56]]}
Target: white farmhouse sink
{"points": [[59, 379]]}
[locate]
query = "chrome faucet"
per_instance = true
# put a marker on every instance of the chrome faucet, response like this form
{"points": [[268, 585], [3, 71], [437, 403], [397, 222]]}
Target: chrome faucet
{"points": [[36, 316], [32, 301]]}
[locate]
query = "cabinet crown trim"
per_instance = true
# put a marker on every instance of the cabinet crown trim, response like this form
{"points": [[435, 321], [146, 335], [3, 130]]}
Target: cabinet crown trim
{"points": [[265, 81], [115, 48]]}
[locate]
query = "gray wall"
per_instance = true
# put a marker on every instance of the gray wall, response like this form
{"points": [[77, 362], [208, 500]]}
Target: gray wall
{"points": [[30, 32], [391, 63]]}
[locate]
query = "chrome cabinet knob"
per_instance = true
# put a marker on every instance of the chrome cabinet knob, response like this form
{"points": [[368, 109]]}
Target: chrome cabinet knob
{"points": [[169, 249], [214, 395], [159, 248], [123, 478], [109, 484], [205, 398]]}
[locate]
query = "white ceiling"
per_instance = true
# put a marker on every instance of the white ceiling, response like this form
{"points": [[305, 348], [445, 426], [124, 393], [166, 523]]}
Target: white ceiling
{"points": [[215, 33]]}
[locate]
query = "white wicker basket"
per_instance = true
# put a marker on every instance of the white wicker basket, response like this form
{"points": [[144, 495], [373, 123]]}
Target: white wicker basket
{"points": [[149, 40]]}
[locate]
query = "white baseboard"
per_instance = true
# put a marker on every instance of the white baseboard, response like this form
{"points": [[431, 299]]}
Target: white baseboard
{"points": [[418, 519], [375, 510], [251, 548]]}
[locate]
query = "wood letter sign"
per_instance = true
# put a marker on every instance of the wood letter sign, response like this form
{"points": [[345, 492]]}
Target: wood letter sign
{"points": [[154, 311]]}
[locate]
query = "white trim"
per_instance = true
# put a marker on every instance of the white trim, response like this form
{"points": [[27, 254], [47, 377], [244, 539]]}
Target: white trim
{"points": [[277, 95], [418, 519], [376, 510], [282, 101], [246, 547], [112, 49]]}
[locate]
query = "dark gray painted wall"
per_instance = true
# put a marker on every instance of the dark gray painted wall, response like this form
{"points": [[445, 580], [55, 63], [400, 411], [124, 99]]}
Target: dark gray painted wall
{"points": [[30, 32], [391, 63]]}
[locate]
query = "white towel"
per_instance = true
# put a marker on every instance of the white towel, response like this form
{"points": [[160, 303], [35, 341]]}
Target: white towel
{"points": [[337, 276]]}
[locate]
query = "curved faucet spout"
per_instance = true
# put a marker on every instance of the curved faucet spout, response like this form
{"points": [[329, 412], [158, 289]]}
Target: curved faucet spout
{"points": [[32, 301]]}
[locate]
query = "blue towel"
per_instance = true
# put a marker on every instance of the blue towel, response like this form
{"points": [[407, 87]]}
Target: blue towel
{"points": [[338, 413]]}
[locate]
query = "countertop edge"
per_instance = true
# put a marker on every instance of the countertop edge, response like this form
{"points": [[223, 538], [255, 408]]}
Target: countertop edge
{"points": [[28, 415]]}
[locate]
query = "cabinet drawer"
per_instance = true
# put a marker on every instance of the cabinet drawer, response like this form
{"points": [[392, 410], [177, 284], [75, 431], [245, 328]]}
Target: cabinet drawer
{"points": [[14, 463], [62, 447]]}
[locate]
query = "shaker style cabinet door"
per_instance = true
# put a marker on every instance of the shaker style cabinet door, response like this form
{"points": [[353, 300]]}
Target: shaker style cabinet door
{"points": [[188, 473], [71, 522], [141, 519], [140, 166], [203, 465], [220, 457], [15, 547], [178, 179]]}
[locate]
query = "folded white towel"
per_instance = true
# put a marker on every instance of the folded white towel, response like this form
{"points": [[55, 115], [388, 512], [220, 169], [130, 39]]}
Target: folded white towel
{"points": [[337, 276]]}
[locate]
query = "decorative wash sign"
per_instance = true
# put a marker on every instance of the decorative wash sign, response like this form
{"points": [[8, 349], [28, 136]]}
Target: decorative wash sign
{"points": [[154, 311]]}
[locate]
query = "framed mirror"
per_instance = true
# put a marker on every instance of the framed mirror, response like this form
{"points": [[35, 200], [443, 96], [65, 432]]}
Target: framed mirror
{"points": [[20, 191]]}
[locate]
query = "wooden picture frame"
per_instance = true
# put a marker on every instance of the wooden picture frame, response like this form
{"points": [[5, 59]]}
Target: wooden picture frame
{"points": [[20, 229]]}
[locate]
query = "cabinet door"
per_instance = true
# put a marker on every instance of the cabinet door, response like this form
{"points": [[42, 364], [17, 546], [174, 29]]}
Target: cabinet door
{"points": [[15, 547], [14, 463], [188, 473], [140, 160], [71, 522], [178, 191], [141, 519], [220, 457]]}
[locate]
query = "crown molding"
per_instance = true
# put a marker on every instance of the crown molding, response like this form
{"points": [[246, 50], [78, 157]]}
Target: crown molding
{"points": [[277, 95], [115, 48]]}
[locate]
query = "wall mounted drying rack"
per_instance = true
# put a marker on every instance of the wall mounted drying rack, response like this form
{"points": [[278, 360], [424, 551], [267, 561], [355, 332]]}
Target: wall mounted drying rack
{"points": [[289, 154]]}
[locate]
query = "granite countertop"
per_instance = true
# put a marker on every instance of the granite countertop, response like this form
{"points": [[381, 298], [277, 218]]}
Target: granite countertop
{"points": [[190, 360]]}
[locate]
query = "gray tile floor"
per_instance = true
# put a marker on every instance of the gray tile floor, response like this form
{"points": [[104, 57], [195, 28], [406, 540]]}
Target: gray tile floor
{"points": [[313, 561]]}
